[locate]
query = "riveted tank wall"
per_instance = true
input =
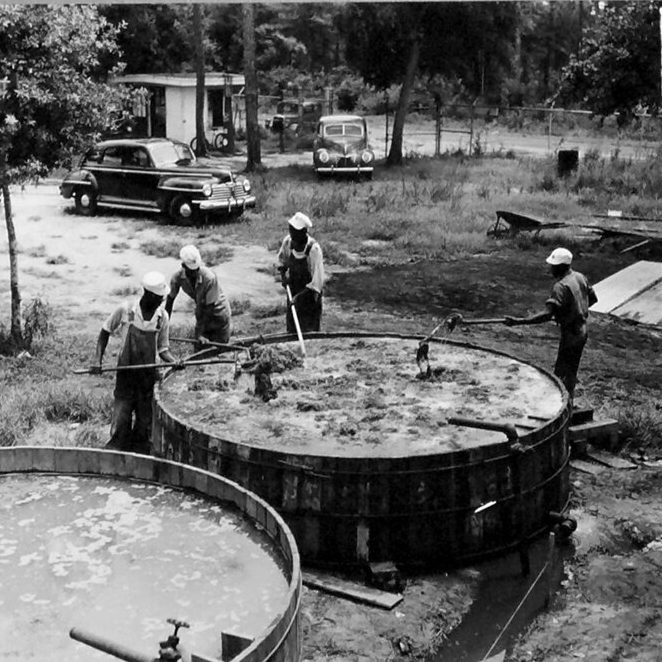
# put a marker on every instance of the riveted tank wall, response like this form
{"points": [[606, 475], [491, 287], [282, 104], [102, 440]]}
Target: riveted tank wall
{"points": [[281, 642], [417, 510]]}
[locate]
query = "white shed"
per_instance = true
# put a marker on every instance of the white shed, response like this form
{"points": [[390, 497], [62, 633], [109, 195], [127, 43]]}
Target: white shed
{"points": [[170, 108]]}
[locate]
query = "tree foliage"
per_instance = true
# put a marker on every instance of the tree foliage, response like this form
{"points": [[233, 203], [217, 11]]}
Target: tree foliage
{"points": [[618, 66], [56, 60]]}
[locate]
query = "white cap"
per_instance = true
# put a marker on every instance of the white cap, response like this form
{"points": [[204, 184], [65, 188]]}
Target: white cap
{"points": [[300, 221], [155, 282], [560, 256], [190, 256]]}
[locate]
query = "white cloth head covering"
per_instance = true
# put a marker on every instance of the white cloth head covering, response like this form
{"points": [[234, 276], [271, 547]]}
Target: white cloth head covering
{"points": [[155, 282], [300, 221], [190, 256], [560, 256]]}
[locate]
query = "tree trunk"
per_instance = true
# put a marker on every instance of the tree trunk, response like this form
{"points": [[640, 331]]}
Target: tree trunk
{"points": [[395, 153], [201, 139], [16, 331], [254, 158]]}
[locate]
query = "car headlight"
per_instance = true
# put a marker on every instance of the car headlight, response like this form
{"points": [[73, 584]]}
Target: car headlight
{"points": [[366, 157], [207, 190], [247, 186], [323, 156]]}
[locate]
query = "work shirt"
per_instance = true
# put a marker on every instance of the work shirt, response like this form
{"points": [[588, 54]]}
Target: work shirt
{"points": [[570, 301], [313, 253], [210, 300], [118, 324]]}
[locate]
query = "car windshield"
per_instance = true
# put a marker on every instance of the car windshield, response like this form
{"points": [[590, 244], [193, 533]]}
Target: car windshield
{"points": [[354, 130], [165, 154]]}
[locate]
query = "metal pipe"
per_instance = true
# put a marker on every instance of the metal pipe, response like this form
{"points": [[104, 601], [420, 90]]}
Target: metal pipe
{"points": [[507, 428], [145, 366], [107, 646]]}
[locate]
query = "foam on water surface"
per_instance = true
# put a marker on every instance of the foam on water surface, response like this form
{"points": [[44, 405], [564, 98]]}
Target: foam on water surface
{"points": [[363, 397]]}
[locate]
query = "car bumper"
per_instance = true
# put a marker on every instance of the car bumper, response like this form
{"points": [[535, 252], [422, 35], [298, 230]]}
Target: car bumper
{"points": [[344, 168], [226, 205]]}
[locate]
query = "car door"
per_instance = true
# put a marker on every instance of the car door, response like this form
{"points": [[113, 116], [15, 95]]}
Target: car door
{"points": [[109, 175], [140, 178]]}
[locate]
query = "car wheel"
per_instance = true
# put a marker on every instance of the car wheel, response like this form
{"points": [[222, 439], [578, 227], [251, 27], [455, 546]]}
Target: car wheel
{"points": [[181, 210], [85, 200]]}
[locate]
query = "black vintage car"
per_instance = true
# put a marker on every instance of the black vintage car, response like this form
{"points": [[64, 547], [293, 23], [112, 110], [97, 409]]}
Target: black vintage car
{"points": [[157, 175], [341, 147]]}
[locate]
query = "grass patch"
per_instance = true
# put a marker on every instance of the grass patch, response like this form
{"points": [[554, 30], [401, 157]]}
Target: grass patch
{"points": [[239, 305], [119, 246], [126, 291], [124, 271], [37, 251], [640, 429], [58, 259]]}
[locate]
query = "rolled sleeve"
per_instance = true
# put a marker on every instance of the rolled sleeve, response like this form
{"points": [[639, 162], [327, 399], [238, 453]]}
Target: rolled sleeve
{"points": [[316, 266], [114, 320], [284, 253], [163, 338]]}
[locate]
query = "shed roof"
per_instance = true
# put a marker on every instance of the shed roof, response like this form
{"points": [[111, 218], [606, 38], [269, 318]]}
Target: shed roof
{"points": [[212, 79]]}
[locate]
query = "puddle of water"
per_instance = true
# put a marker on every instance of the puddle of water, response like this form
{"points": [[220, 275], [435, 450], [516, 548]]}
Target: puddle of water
{"points": [[502, 590]]}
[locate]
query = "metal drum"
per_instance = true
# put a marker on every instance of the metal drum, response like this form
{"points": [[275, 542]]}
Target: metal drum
{"points": [[367, 462], [106, 546]]}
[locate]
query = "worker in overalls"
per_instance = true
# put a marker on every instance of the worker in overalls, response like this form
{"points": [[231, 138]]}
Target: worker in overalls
{"points": [[143, 328], [568, 304], [212, 309], [301, 267]]}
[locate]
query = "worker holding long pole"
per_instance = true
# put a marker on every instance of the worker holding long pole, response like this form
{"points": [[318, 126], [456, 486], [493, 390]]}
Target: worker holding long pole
{"points": [[301, 267], [143, 326], [568, 304]]}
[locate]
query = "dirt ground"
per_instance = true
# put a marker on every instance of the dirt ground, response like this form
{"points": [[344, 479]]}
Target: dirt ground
{"points": [[608, 605]]}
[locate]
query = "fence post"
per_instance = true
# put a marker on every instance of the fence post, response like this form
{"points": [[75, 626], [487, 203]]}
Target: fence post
{"points": [[329, 99], [386, 123], [549, 130], [471, 128], [300, 122], [437, 128]]}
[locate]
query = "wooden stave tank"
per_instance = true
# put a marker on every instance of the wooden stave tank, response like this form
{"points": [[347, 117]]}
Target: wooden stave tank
{"points": [[282, 640], [338, 520]]}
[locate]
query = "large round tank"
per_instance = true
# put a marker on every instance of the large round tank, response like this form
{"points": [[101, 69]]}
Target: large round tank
{"points": [[358, 455], [112, 544]]}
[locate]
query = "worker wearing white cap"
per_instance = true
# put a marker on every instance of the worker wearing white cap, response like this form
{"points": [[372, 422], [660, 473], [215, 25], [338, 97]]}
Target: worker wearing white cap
{"points": [[568, 304], [301, 266], [212, 309], [143, 328]]}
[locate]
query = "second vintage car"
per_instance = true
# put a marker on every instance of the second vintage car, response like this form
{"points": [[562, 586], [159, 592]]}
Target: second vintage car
{"points": [[341, 146], [156, 175]]}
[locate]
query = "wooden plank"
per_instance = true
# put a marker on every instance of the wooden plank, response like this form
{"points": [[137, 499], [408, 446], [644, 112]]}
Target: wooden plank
{"points": [[345, 589], [644, 308], [587, 467], [609, 460], [581, 415], [622, 286]]}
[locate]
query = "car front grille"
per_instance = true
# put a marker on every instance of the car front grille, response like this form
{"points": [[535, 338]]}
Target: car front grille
{"points": [[227, 192]]}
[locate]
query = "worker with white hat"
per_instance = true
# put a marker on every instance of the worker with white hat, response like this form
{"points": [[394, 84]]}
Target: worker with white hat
{"points": [[301, 266], [143, 328], [568, 304], [212, 309]]}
